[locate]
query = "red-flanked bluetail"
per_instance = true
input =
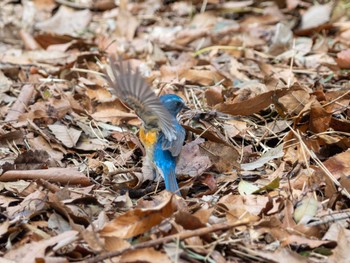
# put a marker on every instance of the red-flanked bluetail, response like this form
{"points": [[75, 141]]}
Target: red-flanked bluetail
{"points": [[161, 134]]}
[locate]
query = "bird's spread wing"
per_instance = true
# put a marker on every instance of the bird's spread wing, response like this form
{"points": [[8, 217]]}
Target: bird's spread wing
{"points": [[132, 88]]}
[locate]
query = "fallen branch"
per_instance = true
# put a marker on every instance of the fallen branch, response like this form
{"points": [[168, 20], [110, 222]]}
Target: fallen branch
{"points": [[167, 239], [57, 175], [19, 107]]}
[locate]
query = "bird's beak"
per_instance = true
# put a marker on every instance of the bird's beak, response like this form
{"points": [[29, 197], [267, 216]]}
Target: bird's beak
{"points": [[185, 108]]}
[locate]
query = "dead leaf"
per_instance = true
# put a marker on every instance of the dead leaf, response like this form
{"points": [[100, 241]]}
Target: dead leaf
{"points": [[265, 158], [246, 188], [37, 250], [341, 252], [204, 77], [126, 22], [29, 160], [191, 160], [224, 158], [66, 22], [295, 101], [282, 39], [319, 118], [145, 255], [68, 136], [316, 15], [253, 105], [139, 220], [343, 59], [305, 210], [214, 96]]}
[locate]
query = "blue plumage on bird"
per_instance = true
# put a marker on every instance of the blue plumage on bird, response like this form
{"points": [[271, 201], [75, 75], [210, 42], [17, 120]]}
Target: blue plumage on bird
{"points": [[161, 133]]}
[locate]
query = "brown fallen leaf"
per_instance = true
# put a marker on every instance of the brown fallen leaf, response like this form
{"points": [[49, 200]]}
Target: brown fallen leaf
{"points": [[209, 134], [341, 253], [188, 221], [4, 226], [66, 21], [29, 160], [47, 39], [145, 255], [30, 253], [39, 143], [16, 136], [253, 105], [188, 35], [139, 220], [204, 77], [224, 158], [191, 161], [281, 255], [68, 136], [340, 124], [126, 22], [250, 204], [343, 59], [316, 15], [214, 96], [319, 118], [115, 243], [339, 164], [295, 101]]}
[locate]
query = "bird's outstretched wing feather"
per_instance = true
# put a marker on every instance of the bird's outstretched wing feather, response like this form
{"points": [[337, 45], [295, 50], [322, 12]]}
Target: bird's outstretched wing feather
{"points": [[132, 88]]}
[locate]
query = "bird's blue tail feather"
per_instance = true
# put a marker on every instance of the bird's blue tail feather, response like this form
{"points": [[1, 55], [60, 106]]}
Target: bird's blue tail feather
{"points": [[171, 183]]}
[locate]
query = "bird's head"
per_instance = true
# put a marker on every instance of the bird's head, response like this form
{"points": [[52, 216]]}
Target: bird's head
{"points": [[172, 103]]}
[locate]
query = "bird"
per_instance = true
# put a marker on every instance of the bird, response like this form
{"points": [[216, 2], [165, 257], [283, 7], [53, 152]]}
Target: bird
{"points": [[160, 133]]}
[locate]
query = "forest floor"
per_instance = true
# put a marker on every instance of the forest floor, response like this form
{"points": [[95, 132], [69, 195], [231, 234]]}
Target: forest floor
{"points": [[265, 168]]}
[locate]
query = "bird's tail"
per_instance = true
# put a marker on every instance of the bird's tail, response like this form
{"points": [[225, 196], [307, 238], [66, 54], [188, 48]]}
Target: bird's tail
{"points": [[171, 183]]}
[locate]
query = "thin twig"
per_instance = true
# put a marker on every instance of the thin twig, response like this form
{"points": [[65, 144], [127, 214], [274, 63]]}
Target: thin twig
{"points": [[121, 171]]}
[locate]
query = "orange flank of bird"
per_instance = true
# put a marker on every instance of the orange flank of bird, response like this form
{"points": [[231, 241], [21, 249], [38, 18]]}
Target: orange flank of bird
{"points": [[148, 138]]}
